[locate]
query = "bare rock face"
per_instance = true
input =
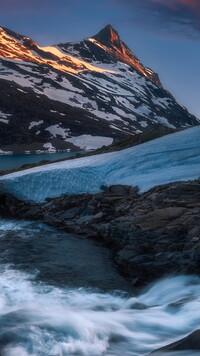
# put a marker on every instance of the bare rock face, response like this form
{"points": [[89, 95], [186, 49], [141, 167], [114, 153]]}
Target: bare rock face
{"points": [[189, 343], [119, 51]]}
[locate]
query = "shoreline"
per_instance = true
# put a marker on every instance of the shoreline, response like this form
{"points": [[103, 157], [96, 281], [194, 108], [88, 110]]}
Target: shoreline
{"points": [[148, 135]]}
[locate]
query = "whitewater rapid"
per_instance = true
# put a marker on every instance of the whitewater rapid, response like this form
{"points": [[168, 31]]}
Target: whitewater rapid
{"points": [[41, 319]]}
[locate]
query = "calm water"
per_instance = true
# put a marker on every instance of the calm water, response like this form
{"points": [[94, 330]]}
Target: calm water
{"points": [[49, 304], [15, 161]]}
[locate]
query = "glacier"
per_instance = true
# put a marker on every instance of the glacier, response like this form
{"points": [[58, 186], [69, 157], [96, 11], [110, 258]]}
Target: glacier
{"points": [[175, 157]]}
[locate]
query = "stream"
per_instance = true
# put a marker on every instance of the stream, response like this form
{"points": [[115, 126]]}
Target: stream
{"points": [[61, 295]]}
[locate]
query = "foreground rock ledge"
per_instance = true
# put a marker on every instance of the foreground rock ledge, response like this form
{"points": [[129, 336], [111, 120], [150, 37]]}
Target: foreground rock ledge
{"points": [[189, 343], [152, 234]]}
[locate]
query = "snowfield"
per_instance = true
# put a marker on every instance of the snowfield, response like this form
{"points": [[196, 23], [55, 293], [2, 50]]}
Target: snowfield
{"points": [[171, 158]]}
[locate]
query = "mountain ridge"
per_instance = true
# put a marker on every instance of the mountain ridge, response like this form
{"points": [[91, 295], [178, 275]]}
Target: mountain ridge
{"points": [[109, 36]]}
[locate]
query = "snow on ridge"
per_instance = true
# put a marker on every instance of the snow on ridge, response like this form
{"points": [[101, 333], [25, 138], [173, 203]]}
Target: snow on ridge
{"points": [[12, 48], [175, 157], [22, 91], [67, 67]]}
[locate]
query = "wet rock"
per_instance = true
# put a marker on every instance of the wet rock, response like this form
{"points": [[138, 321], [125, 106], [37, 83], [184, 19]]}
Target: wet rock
{"points": [[70, 214], [89, 218], [126, 254], [189, 343]]}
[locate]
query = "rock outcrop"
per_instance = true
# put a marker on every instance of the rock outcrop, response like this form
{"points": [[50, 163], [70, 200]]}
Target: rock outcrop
{"points": [[153, 234]]}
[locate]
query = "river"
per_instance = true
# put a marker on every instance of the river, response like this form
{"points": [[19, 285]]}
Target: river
{"points": [[62, 296]]}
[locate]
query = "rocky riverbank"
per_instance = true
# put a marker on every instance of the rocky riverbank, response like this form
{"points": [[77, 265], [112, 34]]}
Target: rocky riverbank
{"points": [[152, 234]]}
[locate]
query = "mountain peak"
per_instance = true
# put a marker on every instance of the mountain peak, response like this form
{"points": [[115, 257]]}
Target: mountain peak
{"points": [[109, 36]]}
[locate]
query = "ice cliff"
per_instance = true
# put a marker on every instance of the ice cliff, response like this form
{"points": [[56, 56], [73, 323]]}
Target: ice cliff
{"points": [[171, 158]]}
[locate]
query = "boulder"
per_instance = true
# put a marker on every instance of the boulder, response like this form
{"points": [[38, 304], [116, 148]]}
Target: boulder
{"points": [[158, 218], [121, 189]]}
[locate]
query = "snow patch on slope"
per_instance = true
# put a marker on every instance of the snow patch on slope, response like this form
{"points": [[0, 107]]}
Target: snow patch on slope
{"points": [[35, 123], [4, 117], [115, 96], [57, 130], [88, 142], [164, 121], [49, 147]]}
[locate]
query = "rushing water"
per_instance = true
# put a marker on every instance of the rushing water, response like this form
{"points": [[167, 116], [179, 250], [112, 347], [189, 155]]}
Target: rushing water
{"points": [[15, 161], [45, 312]]}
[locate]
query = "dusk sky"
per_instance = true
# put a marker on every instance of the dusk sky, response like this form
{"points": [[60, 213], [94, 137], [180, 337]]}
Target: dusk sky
{"points": [[164, 34]]}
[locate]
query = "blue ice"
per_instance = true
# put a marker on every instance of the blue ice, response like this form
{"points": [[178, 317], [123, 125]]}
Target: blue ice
{"points": [[175, 157]]}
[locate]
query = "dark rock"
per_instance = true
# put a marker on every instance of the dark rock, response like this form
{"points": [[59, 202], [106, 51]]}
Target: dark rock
{"points": [[70, 214], [158, 218], [119, 189], [189, 343]]}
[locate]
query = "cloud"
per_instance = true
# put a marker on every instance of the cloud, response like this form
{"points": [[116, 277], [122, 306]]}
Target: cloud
{"points": [[181, 17]]}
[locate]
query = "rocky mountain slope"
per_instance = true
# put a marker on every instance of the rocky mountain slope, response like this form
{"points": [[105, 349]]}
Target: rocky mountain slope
{"points": [[78, 95]]}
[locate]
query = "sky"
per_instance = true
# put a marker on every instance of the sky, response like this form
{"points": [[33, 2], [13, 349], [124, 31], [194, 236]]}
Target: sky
{"points": [[164, 34]]}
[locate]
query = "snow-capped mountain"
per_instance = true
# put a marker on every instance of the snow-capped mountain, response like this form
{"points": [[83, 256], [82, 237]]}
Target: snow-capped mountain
{"points": [[78, 95]]}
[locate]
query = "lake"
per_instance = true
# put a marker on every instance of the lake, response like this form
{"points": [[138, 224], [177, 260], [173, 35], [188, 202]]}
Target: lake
{"points": [[15, 161]]}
